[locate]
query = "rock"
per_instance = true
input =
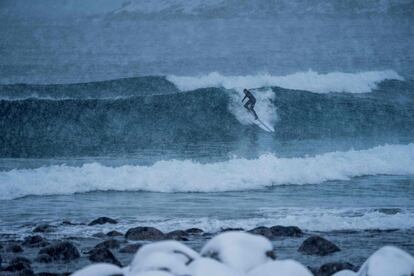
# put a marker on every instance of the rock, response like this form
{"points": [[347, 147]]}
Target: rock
{"points": [[61, 251], [330, 268], [44, 228], [67, 222], [109, 244], [194, 231], [263, 231], [114, 234], [130, 248], [103, 255], [100, 235], [231, 229], [102, 220], [35, 241], [177, 235], [50, 274], [144, 233], [316, 245], [18, 264], [14, 248], [286, 231], [43, 258]]}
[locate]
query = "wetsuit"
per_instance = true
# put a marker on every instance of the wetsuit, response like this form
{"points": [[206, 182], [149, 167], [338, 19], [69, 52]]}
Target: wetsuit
{"points": [[249, 105]]}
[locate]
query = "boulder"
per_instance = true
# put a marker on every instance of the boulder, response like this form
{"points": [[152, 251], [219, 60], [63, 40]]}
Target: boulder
{"points": [[229, 229], [263, 231], [102, 220], [44, 228], [18, 264], [177, 235], [35, 241], [103, 255], [100, 235], [316, 245], [14, 248], [109, 244], [329, 269], [194, 231], [67, 222], [286, 231], [43, 258], [61, 251], [144, 233], [130, 248], [114, 234]]}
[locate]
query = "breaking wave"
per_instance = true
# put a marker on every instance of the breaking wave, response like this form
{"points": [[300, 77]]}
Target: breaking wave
{"points": [[189, 176], [310, 81]]}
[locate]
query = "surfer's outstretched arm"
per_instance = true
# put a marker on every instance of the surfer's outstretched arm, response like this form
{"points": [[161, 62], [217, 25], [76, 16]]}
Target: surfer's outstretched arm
{"points": [[244, 98]]}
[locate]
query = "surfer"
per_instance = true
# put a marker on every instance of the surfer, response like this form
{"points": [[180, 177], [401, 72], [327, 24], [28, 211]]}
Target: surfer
{"points": [[249, 105]]}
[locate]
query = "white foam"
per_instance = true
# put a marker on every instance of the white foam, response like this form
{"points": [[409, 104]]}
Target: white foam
{"points": [[190, 176], [310, 81]]}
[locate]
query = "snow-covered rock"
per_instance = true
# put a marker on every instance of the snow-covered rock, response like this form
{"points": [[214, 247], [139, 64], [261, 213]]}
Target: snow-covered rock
{"points": [[210, 267], [169, 256], [151, 273], [239, 250], [99, 270], [388, 261], [345, 272], [280, 268]]}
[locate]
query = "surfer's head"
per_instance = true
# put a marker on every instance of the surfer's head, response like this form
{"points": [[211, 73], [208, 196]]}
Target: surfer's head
{"points": [[245, 91]]}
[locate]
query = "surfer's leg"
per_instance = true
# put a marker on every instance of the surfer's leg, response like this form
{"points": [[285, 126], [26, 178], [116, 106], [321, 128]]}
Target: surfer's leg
{"points": [[246, 105], [254, 113]]}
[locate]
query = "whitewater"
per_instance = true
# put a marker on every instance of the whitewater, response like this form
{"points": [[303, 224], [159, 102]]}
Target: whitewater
{"points": [[236, 174]]}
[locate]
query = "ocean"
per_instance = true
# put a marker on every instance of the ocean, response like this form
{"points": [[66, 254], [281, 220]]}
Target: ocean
{"points": [[134, 112]]}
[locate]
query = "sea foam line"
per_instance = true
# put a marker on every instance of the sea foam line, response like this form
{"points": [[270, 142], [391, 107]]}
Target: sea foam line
{"points": [[189, 176], [310, 81]]}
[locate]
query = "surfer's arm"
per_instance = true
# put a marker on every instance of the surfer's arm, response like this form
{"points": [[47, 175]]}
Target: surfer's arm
{"points": [[244, 98]]}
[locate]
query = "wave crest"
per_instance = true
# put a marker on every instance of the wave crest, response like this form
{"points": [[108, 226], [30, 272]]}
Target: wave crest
{"points": [[309, 81]]}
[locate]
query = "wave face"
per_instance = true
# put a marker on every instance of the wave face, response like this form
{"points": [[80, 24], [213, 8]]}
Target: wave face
{"points": [[120, 116], [189, 176]]}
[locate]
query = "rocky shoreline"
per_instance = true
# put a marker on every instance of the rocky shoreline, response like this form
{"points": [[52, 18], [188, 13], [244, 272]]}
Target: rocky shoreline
{"points": [[38, 254]]}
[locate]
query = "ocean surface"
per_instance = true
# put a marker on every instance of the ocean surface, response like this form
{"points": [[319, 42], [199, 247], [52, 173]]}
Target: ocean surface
{"points": [[134, 112]]}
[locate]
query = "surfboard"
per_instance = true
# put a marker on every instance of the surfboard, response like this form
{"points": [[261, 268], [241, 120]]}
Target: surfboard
{"points": [[260, 123]]}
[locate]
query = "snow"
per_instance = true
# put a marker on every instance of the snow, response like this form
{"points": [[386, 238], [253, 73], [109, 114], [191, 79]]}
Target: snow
{"points": [[345, 272], [164, 255], [388, 261], [99, 270], [238, 254], [239, 250], [210, 267], [283, 268]]}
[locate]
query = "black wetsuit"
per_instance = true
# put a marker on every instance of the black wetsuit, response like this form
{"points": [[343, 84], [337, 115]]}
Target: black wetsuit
{"points": [[249, 105]]}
